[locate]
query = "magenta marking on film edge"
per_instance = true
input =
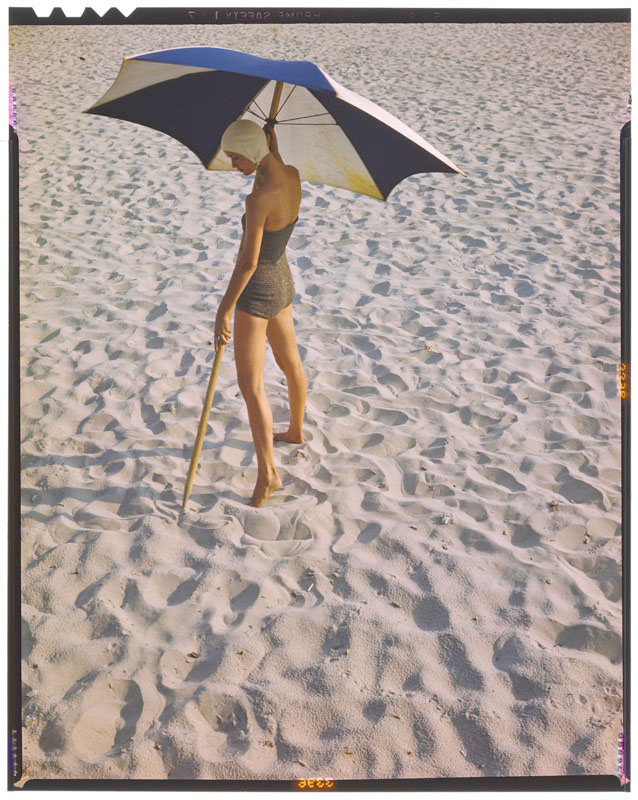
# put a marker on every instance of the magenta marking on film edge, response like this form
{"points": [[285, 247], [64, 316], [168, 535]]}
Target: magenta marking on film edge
{"points": [[13, 749], [621, 759]]}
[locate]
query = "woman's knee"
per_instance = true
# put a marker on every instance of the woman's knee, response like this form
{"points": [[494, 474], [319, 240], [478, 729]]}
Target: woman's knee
{"points": [[279, 361], [249, 386], [290, 363]]}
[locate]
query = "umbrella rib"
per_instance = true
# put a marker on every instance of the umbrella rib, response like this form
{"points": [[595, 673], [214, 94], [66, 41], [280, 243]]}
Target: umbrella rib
{"points": [[263, 116], [308, 116], [312, 124], [287, 99], [249, 111]]}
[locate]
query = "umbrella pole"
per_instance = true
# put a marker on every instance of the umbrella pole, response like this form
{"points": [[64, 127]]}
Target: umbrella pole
{"points": [[276, 96], [203, 422]]}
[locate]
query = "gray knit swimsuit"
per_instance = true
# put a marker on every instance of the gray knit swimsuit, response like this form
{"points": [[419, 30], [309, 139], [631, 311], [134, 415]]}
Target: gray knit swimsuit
{"points": [[270, 288]]}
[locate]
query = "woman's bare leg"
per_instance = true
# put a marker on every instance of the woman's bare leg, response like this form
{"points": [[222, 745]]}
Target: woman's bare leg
{"points": [[250, 353], [281, 335]]}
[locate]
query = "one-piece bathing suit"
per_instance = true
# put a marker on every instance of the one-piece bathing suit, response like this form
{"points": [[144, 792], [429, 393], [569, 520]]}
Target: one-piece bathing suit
{"points": [[270, 289]]}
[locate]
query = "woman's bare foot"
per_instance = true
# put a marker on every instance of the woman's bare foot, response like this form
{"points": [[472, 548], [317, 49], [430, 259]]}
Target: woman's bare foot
{"points": [[263, 489], [289, 436]]}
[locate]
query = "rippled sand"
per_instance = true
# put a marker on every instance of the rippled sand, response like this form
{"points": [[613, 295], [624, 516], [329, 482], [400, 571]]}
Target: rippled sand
{"points": [[461, 343]]}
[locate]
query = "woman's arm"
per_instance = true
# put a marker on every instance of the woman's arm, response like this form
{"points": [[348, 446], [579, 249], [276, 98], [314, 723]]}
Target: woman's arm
{"points": [[245, 265], [274, 146]]}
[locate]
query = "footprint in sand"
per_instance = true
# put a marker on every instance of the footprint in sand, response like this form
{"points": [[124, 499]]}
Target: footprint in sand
{"points": [[374, 710], [502, 478], [475, 540], [572, 537], [390, 379], [593, 639], [601, 527], [151, 418], [177, 666], [107, 719], [222, 725], [363, 344], [280, 535], [526, 535], [389, 416], [511, 654], [378, 444], [477, 511], [336, 410], [337, 639], [185, 364], [429, 613], [565, 386], [454, 655], [98, 423], [349, 531], [469, 241], [153, 341], [371, 531], [104, 626], [157, 312], [524, 289], [101, 601], [436, 450], [382, 288], [232, 597], [479, 745], [174, 667], [602, 569], [263, 525], [298, 588], [583, 492], [54, 737], [163, 589]]}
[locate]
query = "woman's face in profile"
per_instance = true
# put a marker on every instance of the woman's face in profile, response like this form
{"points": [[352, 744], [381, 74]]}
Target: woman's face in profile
{"points": [[240, 162]]}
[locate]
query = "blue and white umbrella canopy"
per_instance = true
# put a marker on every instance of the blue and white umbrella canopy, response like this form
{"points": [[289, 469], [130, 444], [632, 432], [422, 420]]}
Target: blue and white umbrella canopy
{"points": [[331, 134]]}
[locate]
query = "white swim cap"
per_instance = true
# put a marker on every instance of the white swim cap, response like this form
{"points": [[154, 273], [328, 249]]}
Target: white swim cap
{"points": [[245, 137]]}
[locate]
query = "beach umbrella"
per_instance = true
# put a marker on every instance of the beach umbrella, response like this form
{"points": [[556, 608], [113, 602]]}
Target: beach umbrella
{"points": [[331, 134]]}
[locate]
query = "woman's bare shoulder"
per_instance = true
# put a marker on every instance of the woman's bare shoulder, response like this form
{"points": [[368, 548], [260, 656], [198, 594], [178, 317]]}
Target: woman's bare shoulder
{"points": [[258, 202], [294, 179], [260, 196]]}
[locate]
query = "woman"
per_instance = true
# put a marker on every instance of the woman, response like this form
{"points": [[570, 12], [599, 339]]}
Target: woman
{"points": [[261, 291]]}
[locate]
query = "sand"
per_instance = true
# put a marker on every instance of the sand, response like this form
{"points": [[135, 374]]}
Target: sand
{"points": [[461, 343]]}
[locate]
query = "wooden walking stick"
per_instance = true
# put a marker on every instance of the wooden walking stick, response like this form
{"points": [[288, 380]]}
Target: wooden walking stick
{"points": [[203, 420]]}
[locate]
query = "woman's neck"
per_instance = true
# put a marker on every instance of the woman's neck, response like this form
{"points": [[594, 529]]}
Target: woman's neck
{"points": [[267, 168]]}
